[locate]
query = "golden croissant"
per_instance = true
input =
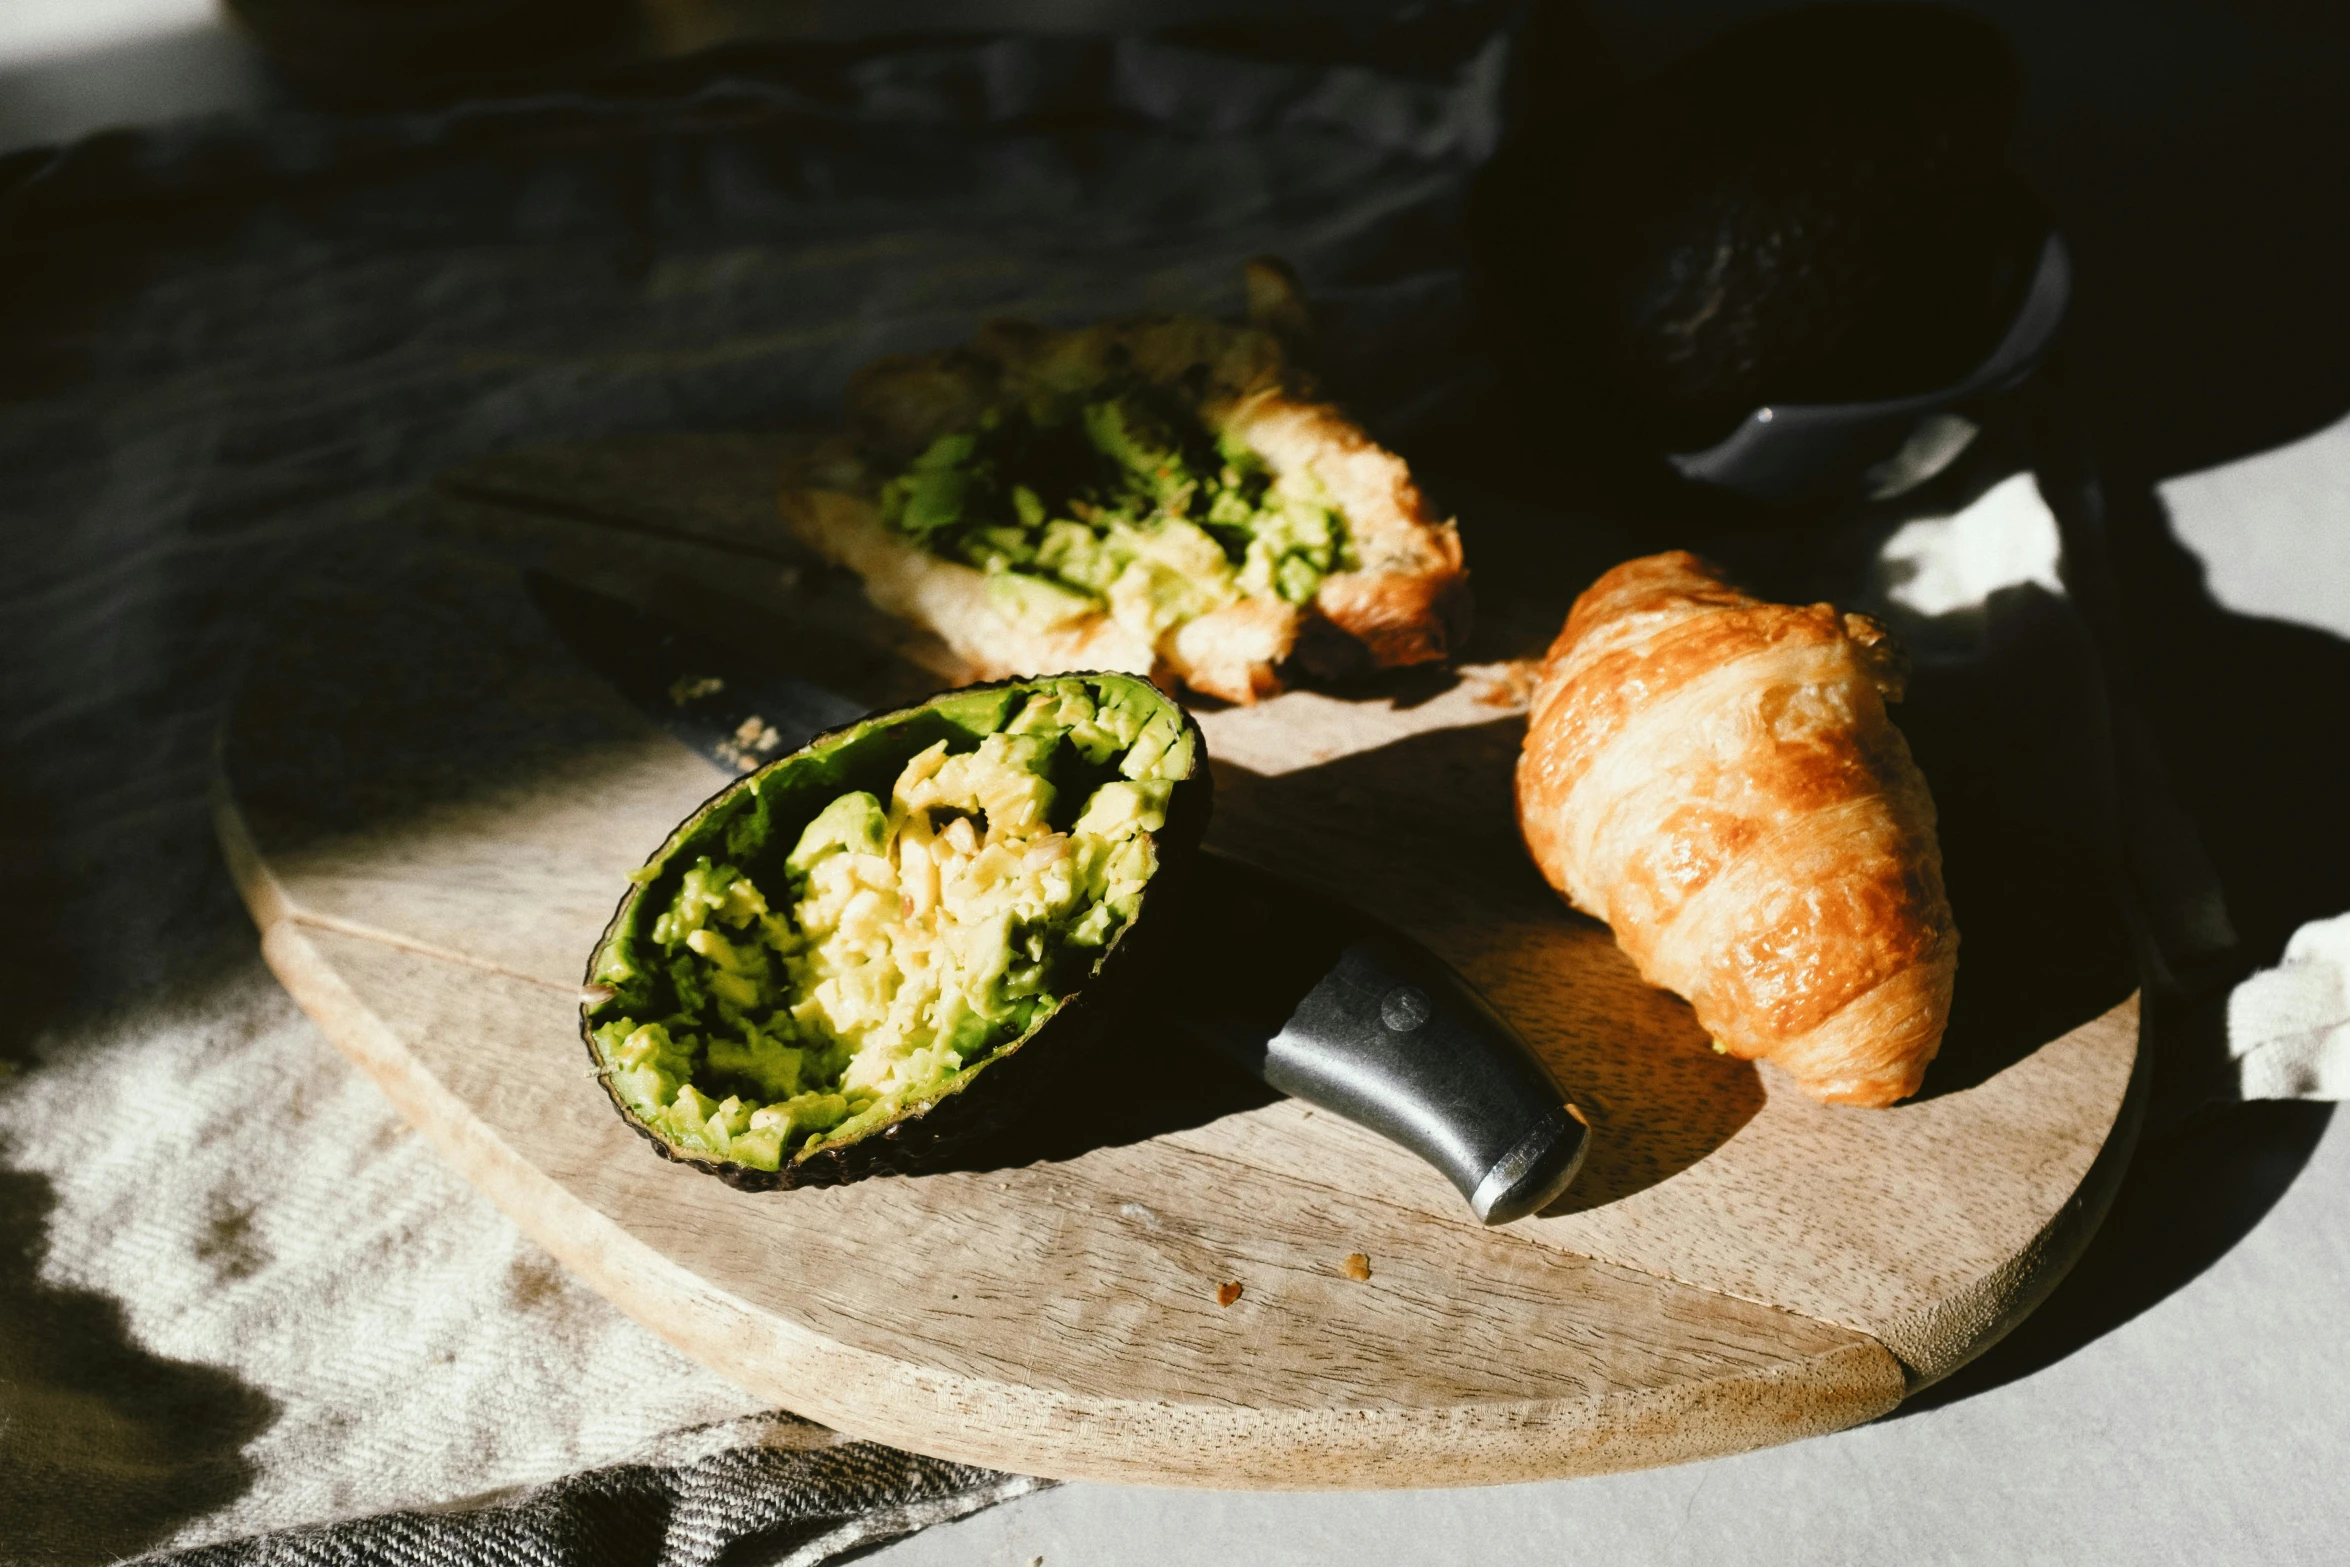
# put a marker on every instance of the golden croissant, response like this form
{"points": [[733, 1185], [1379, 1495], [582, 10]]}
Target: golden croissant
{"points": [[1715, 776]]}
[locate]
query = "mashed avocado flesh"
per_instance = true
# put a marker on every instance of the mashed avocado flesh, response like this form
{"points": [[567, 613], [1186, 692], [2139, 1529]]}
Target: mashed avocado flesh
{"points": [[1122, 504], [775, 1000]]}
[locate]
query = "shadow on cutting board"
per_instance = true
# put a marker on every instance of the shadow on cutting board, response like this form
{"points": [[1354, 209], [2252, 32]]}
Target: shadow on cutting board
{"points": [[1420, 834], [1430, 845]]}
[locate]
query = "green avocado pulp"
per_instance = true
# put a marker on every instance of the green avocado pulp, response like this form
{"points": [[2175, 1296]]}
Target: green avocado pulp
{"points": [[1125, 504], [850, 932]]}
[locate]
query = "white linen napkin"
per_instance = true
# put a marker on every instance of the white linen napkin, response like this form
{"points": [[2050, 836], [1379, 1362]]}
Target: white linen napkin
{"points": [[2289, 1026]]}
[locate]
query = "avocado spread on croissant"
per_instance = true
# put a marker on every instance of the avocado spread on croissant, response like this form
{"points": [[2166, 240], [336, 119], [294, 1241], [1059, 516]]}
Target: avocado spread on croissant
{"points": [[1119, 502], [845, 940]]}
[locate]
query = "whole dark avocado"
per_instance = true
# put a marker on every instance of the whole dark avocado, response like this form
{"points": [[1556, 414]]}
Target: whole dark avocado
{"points": [[895, 948]]}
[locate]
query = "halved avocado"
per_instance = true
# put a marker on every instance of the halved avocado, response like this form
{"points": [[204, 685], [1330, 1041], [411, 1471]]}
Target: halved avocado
{"points": [[898, 942]]}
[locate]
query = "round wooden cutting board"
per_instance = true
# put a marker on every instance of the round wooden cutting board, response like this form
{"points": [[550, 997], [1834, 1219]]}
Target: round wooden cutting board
{"points": [[432, 807]]}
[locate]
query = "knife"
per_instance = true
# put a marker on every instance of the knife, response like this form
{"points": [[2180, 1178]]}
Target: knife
{"points": [[1311, 997]]}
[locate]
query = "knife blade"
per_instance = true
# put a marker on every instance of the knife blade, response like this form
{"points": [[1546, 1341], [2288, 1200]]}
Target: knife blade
{"points": [[736, 709], [1311, 997]]}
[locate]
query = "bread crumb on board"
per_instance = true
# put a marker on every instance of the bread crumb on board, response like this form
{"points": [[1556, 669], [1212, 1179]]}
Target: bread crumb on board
{"points": [[1510, 684], [1358, 1266], [1227, 1293]]}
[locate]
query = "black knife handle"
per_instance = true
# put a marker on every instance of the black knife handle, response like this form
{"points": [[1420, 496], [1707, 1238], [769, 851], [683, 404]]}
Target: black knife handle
{"points": [[1335, 1009]]}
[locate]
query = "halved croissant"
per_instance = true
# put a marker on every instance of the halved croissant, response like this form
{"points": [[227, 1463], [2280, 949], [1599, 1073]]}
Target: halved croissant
{"points": [[1715, 776], [1402, 598]]}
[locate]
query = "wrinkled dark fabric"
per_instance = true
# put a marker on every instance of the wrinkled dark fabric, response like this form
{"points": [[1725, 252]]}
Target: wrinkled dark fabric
{"points": [[221, 344], [227, 347], [740, 1508]]}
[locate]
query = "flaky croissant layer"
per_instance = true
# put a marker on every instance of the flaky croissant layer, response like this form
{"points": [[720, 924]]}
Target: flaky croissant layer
{"points": [[1716, 777]]}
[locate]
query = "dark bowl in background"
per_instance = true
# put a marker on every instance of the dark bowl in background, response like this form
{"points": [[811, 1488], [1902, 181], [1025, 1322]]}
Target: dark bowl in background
{"points": [[1816, 207]]}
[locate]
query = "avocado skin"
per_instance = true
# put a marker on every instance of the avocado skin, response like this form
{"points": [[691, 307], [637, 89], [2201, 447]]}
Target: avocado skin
{"points": [[982, 1115]]}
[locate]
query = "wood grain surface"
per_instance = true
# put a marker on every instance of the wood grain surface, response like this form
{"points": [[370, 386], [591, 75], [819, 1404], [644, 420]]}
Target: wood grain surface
{"points": [[431, 807]]}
